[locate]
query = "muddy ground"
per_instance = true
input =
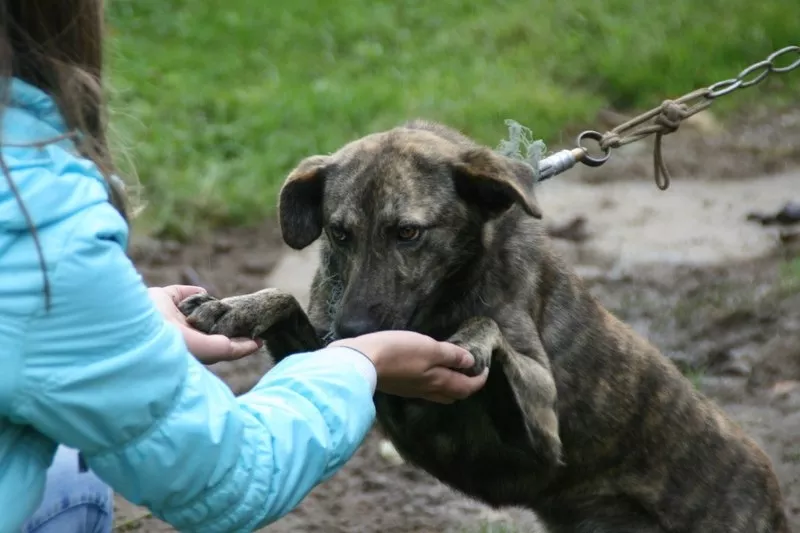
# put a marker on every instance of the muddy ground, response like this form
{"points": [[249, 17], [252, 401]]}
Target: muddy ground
{"points": [[685, 267]]}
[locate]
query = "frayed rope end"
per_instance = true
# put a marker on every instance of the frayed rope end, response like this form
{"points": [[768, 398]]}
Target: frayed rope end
{"points": [[519, 138]]}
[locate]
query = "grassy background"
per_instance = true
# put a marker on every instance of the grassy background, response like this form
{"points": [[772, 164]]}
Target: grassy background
{"points": [[215, 101]]}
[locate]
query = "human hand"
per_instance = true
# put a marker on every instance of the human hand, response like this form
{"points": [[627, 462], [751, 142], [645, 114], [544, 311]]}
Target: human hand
{"points": [[416, 366], [208, 349]]}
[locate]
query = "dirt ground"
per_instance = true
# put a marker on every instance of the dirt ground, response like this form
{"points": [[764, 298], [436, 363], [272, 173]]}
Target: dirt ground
{"points": [[685, 267]]}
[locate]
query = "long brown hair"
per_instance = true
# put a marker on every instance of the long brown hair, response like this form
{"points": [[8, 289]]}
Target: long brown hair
{"points": [[57, 46]]}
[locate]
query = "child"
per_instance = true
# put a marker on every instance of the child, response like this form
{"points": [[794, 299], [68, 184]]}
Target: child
{"points": [[94, 361]]}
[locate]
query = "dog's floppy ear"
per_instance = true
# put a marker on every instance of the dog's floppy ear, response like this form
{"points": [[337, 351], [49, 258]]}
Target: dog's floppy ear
{"points": [[300, 202], [494, 182]]}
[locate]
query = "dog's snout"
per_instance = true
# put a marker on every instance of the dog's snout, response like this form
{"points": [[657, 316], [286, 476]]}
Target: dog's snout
{"points": [[355, 325]]}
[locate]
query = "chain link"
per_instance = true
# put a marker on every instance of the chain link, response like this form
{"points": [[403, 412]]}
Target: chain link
{"points": [[766, 67], [666, 118]]}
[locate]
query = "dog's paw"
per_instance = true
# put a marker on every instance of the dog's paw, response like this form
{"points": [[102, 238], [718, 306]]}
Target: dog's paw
{"points": [[204, 312], [481, 362], [189, 304], [480, 350], [480, 337], [478, 368]]}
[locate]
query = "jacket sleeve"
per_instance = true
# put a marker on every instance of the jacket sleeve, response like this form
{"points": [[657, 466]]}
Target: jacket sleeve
{"points": [[104, 373]]}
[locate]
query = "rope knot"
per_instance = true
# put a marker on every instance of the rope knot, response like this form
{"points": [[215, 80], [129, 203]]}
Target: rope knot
{"points": [[610, 140], [671, 115]]}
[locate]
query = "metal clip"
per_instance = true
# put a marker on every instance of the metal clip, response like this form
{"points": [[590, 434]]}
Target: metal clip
{"points": [[559, 162]]}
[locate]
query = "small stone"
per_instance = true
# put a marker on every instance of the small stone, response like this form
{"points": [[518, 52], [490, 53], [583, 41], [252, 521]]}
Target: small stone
{"points": [[222, 245], [784, 388], [390, 453], [735, 368]]}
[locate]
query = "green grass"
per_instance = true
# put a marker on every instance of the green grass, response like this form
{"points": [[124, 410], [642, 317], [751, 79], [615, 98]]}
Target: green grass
{"points": [[696, 376], [215, 101], [789, 282]]}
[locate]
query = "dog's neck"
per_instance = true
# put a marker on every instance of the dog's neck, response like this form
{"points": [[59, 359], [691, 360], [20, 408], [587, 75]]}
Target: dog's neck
{"points": [[514, 275], [497, 275]]}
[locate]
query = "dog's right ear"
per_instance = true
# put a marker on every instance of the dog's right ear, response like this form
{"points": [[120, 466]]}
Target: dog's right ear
{"points": [[494, 183], [300, 202]]}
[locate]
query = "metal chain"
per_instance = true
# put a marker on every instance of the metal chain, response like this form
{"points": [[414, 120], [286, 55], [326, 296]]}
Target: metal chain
{"points": [[666, 119], [766, 67]]}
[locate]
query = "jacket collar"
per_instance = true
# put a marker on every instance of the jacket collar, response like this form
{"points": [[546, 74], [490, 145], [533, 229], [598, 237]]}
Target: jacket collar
{"points": [[24, 96]]}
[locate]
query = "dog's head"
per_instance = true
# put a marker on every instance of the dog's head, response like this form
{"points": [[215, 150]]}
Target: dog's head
{"points": [[401, 213]]}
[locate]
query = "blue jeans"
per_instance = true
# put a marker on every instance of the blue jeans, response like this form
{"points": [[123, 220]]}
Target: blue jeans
{"points": [[74, 501]]}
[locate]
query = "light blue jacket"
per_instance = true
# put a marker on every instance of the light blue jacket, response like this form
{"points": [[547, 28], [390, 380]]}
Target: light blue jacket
{"points": [[103, 372]]}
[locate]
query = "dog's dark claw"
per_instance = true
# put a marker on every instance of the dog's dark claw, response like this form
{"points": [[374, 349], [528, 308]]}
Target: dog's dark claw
{"points": [[191, 303], [474, 370], [204, 312]]}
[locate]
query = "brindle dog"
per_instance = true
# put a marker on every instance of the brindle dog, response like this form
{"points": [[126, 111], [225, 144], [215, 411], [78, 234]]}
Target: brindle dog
{"points": [[582, 420]]}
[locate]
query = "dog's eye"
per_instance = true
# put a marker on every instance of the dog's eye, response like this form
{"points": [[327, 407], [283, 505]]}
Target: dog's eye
{"points": [[338, 234], [408, 233]]}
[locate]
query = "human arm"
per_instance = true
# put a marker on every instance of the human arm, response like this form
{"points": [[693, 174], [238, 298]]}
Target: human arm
{"points": [[105, 373], [407, 363]]}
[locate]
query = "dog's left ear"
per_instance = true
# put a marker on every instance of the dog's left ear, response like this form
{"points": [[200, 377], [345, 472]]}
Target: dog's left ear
{"points": [[300, 202], [494, 183]]}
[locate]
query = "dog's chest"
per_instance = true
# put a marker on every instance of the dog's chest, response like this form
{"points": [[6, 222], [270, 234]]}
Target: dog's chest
{"points": [[461, 444]]}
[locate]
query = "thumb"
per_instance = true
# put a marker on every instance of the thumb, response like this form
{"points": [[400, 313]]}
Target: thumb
{"points": [[178, 293], [453, 356]]}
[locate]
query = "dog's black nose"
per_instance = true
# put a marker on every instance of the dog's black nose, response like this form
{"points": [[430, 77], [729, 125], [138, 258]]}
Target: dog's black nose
{"points": [[353, 326]]}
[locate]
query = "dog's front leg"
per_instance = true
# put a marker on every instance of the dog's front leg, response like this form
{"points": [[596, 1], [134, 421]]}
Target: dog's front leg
{"points": [[529, 378], [269, 314]]}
